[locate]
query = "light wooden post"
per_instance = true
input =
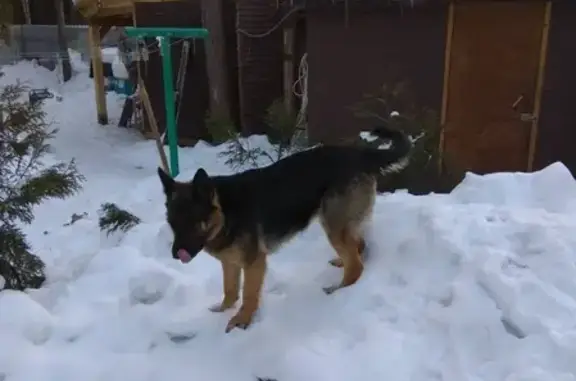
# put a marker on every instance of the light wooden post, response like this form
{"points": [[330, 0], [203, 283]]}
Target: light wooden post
{"points": [[445, 85], [539, 85], [96, 57]]}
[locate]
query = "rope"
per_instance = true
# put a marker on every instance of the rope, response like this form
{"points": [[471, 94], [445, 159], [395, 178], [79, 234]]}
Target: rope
{"points": [[181, 77], [300, 90]]}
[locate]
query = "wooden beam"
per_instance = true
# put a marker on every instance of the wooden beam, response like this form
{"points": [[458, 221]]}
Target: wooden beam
{"points": [[288, 34], [212, 19], [145, 99], [96, 56], [539, 85], [445, 86]]}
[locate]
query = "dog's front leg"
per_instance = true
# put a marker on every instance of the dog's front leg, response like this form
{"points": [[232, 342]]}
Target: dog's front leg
{"points": [[253, 281], [231, 285]]}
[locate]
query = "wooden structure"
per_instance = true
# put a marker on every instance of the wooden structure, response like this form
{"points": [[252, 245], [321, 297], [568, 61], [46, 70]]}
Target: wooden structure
{"points": [[110, 12], [196, 98], [500, 73]]}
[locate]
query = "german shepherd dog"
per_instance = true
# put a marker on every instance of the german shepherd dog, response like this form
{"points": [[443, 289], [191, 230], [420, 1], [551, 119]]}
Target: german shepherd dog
{"points": [[239, 219]]}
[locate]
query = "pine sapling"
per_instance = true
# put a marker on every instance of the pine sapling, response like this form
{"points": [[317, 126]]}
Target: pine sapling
{"points": [[25, 181]]}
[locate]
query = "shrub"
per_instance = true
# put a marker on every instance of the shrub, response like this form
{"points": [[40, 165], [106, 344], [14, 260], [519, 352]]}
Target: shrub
{"points": [[26, 182], [283, 134]]}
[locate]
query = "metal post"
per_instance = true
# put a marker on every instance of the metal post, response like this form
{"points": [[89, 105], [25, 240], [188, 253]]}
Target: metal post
{"points": [[169, 104], [165, 34]]}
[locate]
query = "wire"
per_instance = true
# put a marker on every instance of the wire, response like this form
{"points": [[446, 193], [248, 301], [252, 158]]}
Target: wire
{"points": [[271, 30]]}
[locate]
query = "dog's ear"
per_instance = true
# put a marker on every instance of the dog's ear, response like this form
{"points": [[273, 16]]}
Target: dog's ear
{"points": [[167, 182], [202, 186]]}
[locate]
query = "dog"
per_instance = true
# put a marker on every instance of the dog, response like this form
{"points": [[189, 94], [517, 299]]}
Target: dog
{"points": [[240, 218]]}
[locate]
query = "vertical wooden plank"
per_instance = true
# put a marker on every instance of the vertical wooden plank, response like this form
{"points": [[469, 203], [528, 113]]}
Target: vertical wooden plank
{"points": [[96, 56], [539, 85], [447, 55], [288, 68], [212, 19]]}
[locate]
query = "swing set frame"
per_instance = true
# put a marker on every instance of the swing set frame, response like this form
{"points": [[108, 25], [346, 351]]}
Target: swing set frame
{"points": [[165, 34]]}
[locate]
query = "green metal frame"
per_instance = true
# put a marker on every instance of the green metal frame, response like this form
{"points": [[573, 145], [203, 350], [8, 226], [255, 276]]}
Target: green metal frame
{"points": [[165, 34]]}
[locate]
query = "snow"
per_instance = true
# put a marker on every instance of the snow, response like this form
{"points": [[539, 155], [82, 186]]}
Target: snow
{"points": [[479, 284], [109, 54], [119, 69]]}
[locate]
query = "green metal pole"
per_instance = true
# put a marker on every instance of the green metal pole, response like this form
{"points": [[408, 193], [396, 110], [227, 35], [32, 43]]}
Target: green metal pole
{"points": [[169, 104]]}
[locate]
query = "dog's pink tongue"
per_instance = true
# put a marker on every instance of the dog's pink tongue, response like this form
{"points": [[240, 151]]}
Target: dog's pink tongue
{"points": [[184, 256]]}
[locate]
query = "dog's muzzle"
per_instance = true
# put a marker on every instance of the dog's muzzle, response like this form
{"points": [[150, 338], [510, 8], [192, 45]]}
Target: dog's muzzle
{"points": [[185, 253]]}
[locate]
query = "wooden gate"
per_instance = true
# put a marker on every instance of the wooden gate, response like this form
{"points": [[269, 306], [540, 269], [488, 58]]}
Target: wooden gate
{"points": [[492, 84]]}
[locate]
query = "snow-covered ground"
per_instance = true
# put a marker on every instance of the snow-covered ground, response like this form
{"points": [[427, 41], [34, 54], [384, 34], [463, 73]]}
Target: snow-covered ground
{"points": [[476, 285]]}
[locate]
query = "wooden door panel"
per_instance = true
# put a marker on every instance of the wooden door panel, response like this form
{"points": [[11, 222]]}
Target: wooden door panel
{"points": [[493, 61]]}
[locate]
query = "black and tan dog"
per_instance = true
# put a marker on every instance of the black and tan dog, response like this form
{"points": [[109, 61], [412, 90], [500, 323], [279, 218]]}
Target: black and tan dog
{"points": [[241, 218]]}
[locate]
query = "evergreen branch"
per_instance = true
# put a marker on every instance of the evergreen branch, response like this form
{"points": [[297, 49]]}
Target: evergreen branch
{"points": [[18, 266], [58, 181], [113, 219], [12, 239]]}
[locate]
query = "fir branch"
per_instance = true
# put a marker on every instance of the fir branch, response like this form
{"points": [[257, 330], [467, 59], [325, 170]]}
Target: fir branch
{"points": [[113, 218], [19, 268], [59, 181], [12, 239]]}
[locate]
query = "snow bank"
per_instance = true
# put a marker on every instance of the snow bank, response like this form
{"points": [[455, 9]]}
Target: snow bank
{"points": [[552, 189], [479, 284]]}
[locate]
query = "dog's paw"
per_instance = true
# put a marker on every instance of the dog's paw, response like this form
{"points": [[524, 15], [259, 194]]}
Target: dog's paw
{"points": [[240, 320], [330, 289], [336, 262]]}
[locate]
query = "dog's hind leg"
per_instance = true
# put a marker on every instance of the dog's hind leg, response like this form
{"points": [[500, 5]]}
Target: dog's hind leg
{"points": [[337, 262], [342, 214], [346, 247]]}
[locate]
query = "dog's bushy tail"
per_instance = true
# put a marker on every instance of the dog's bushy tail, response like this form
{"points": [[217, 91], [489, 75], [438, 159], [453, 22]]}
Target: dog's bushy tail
{"points": [[394, 157]]}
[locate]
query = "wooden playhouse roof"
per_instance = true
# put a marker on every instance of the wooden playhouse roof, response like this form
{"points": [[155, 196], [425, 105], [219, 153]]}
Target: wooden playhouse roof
{"points": [[102, 11]]}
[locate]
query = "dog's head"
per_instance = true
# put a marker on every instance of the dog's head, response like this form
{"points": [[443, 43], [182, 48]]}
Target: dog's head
{"points": [[193, 212]]}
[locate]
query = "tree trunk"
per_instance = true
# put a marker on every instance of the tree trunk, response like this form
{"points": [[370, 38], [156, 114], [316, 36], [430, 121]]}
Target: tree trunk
{"points": [[62, 43]]}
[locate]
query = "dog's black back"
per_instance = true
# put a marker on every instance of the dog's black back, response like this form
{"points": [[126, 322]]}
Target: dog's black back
{"points": [[271, 204]]}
